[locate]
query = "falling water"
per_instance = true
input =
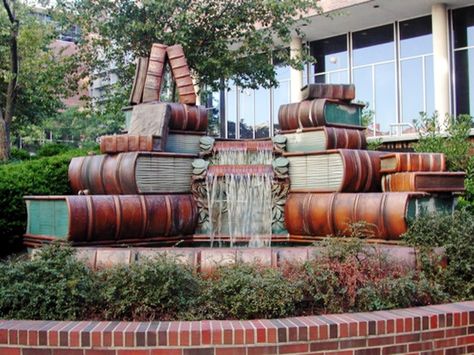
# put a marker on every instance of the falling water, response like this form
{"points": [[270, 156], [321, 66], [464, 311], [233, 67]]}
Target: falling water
{"points": [[243, 156], [240, 206]]}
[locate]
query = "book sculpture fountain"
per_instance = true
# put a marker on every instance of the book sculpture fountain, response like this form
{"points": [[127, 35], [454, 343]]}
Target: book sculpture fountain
{"points": [[167, 182]]}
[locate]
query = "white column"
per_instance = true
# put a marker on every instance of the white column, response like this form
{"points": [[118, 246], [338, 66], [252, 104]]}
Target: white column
{"points": [[440, 59], [296, 76]]}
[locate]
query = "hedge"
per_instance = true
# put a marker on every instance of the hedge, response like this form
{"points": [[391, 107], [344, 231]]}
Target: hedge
{"points": [[43, 176]]}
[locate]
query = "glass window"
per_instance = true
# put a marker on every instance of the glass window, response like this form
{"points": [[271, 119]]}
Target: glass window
{"points": [[373, 45], [281, 94], [330, 54], [246, 110], [416, 68], [464, 62], [231, 110], [463, 27], [213, 103], [415, 37], [374, 74], [262, 113]]}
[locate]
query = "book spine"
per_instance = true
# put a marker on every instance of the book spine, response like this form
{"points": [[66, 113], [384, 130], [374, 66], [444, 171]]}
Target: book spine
{"points": [[181, 74], [104, 174], [309, 113], [156, 64], [345, 138], [411, 162], [344, 92], [361, 171], [322, 214], [117, 218], [139, 81], [399, 182], [188, 117], [424, 181], [128, 143]]}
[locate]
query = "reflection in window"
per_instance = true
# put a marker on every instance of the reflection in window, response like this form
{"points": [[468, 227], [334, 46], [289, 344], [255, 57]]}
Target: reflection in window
{"points": [[262, 113], [331, 60], [231, 110], [373, 45], [374, 74], [281, 94], [463, 26], [247, 108], [416, 66], [213, 103]]}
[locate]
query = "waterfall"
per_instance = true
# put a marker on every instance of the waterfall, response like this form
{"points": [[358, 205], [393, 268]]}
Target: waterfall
{"points": [[240, 204], [241, 155]]}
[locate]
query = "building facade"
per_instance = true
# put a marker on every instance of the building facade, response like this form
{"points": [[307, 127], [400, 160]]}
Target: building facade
{"points": [[404, 57]]}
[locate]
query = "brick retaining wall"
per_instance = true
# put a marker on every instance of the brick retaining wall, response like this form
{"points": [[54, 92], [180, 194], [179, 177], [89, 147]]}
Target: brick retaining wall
{"points": [[440, 329]]}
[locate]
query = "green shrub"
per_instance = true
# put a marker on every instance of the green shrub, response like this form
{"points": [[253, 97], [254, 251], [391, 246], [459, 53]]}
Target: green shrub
{"points": [[19, 154], [45, 176], [451, 138], [50, 149], [155, 289], [350, 275], [454, 233], [53, 285], [245, 292]]}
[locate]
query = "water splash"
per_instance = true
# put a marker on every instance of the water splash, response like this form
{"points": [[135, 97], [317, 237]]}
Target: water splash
{"points": [[243, 154], [240, 205]]}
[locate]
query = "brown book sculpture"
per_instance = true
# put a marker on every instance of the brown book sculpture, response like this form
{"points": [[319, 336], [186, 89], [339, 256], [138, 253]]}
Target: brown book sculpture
{"points": [[184, 142], [404, 162], [320, 112], [154, 76], [129, 143], [188, 117], [96, 220], [386, 214], [131, 173], [324, 138], [342, 170], [151, 119], [344, 92], [136, 95], [181, 74], [427, 181]]}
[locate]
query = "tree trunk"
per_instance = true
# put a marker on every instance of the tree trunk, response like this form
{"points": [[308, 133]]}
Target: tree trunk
{"points": [[12, 85], [4, 140]]}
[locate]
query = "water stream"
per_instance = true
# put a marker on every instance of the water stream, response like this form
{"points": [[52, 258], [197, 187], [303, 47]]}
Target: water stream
{"points": [[240, 206]]}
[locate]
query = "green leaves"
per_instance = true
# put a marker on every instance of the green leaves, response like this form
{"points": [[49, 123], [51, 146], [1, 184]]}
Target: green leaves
{"points": [[216, 35]]}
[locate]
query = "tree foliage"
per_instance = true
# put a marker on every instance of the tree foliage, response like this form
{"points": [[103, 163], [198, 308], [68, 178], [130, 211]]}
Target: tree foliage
{"points": [[45, 75], [222, 39]]}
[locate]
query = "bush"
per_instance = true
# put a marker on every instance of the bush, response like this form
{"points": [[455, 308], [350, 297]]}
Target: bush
{"points": [[455, 234], [45, 176], [155, 289], [451, 139], [353, 276], [246, 291], [50, 149], [53, 285], [19, 154], [57, 286]]}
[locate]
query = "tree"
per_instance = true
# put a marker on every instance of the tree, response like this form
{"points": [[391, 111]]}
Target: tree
{"points": [[222, 39], [12, 78], [33, 76]]}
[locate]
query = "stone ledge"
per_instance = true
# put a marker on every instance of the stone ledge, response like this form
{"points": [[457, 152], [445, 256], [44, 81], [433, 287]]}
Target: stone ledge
{"points": [[446, 328]]}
